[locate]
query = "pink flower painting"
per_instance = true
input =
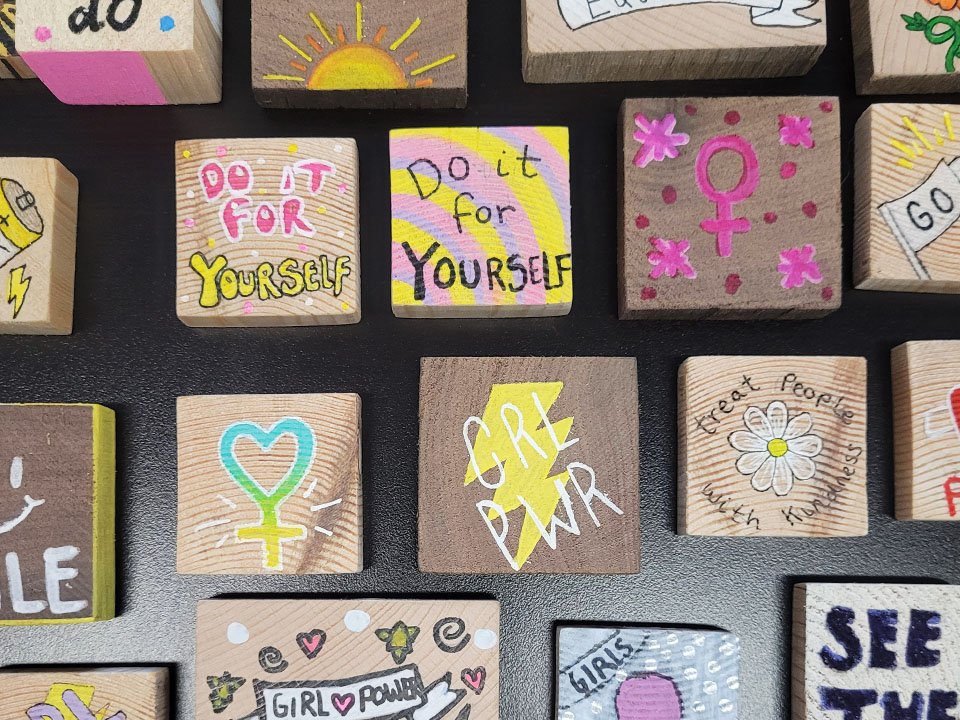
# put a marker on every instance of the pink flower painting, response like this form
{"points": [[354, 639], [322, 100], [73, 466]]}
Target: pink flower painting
{"points": [[795, 131], [799, 267], [658, 139], [670, 258]]}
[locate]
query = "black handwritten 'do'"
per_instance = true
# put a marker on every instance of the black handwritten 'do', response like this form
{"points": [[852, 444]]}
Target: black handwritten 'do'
{"points": [[87, 17], [448, 631], [271, 660]]}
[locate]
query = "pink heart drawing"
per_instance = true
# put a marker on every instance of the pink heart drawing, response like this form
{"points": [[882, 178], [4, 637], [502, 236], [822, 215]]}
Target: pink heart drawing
{"points": [[476, 680], [343, 703], [955, 407], [312, 642], [649, 697]]}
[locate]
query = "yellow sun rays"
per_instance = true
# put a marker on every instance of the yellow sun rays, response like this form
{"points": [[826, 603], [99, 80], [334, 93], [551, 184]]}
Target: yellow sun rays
{"points": [[356, 66], [916, 147]]}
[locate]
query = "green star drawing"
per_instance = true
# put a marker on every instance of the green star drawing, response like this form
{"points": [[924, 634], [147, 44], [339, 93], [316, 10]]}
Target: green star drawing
{"points": [[399, 640]]}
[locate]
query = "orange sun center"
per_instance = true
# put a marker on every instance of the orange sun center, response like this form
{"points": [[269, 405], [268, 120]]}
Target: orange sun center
{"points": [[357, 67]]}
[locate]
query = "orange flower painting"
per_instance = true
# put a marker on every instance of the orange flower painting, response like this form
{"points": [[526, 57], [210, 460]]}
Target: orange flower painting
{"points": [[945, 4]]}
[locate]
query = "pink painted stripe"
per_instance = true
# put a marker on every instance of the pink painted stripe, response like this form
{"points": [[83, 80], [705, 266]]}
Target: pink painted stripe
{"points": [[96, 78]]}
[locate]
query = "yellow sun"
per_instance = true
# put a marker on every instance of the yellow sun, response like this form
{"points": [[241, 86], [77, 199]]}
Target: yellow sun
{"points": [[360, 65]]}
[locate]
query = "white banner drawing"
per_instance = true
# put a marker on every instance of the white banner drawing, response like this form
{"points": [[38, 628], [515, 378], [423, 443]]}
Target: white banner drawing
{"points": [[763, 13]]}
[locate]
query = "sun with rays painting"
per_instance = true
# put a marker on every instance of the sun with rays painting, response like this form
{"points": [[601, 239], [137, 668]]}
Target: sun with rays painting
{"points": [[346, 56]]}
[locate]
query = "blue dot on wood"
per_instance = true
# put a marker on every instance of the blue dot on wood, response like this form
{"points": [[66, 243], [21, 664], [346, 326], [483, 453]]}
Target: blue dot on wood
{"points": [[167, 23]]}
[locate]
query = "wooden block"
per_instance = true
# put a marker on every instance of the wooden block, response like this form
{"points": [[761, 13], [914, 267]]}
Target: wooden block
{"points": [[905, 46], [38, 241], [875, 652], [137, 693], [773, 446], [369, 54], [619, 40], [622, 673], [730, 208], [268, 232], [481, 222], [564, 433], [124, 52], [926, 396], [56, 514], [12, 67], [306, 448], [907, 199], [348, 659]]}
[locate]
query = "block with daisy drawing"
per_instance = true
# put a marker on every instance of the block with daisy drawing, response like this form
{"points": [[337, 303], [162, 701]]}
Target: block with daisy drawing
{"points": [[773, 446], [269, 484], [730, 208], [360, 53]]}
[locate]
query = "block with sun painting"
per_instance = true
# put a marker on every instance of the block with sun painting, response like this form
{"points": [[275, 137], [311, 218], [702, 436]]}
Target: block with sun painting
{"points": [[369, 54]]}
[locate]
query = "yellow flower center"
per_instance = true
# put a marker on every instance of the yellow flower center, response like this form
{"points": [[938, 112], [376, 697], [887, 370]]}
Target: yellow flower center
{"points": [[777, 447]]}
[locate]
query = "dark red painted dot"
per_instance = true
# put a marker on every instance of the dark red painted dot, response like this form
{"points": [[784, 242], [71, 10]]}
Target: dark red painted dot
{"points": [[690, 110], [788, 170], [669, 194], [648, 293], [826, 106], [642, 222], [732, 284], [810, 209], [827, 294], [770, 218], [732, 117]]}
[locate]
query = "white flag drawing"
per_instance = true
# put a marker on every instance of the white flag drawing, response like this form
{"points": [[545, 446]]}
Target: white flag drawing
{"points": [[763, 13]]}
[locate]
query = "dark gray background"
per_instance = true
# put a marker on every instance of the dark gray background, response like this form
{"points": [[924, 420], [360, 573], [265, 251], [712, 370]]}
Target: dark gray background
{"points": [[130, 352]]}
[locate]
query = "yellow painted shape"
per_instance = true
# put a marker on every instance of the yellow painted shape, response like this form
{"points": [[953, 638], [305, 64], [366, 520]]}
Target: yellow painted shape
{"points": [[84, 692], [14, 229], [419, 243], [357, 67]]}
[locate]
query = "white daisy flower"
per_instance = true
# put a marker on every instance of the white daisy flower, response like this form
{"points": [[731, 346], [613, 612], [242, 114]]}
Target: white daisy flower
{"points": [[777, 451]]}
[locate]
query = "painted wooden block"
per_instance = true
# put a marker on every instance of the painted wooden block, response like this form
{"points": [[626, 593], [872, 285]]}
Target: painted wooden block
{"points": [[124, 52], [926, 397], [730, 208], [875, 652], [269, 484], [481, 222], [907, 235], [605, 40], [773, 446], [906, 46], [56, 514], [622, 673], [529, 465], [137, 693], [38, 241], [12, 65], [348, 659], [367, 54], [268, 232]]}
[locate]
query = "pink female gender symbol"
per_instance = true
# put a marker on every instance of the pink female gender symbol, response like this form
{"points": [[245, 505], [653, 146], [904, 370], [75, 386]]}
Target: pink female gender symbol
{"points": [[725, 225]]}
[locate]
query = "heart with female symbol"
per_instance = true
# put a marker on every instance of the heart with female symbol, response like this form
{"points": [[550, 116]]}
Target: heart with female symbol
{"points": [[269, 531]]}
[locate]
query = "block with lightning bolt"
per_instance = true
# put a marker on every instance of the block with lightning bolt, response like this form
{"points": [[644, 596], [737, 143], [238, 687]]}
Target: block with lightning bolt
{"points": [[360, 53], [56, 514], [348, 659], [269, 484], [529, 465], [773, 446], [38, 240], [730, 208], [115, 693]]}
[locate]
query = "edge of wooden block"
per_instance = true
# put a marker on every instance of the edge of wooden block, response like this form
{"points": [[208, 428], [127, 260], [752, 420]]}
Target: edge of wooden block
{"points": [[863, 192], [682, 474], [902, 436], [799, 653]]}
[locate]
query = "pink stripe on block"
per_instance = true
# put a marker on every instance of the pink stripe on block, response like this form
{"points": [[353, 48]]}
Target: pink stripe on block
{"points": [[96, 78]]}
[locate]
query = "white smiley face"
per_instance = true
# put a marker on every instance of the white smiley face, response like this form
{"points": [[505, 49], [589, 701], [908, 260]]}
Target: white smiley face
{"points": [[29, 504]]}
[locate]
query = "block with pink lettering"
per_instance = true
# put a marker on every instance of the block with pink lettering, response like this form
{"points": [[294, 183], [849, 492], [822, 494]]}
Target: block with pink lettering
{"points": [[267, 232], [730, 208]]}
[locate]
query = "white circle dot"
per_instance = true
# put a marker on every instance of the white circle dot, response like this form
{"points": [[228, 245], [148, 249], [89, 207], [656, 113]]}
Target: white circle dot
{"points": [[260, 161], [341, 234], [672, 639], [356, 621], [185, 298], [255, 253], [666, 654], [725, 705], [699, 707], [308, 302], [191, 194], [485, 639], [713, 666], [689, 651], [690, 674], [650, 665], [338, 148], [237, 633], [733, 682], [710, 687]]}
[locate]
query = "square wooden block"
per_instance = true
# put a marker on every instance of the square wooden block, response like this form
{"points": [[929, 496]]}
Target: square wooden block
{"points": [[95, 52], [12, 66], [875, 652], [905, 46], [624, 40], [268, 232], [908, 198], [773, 446], [368, 54], [348, 659], [38, 246], [926, 415], [269, 484], [481, 222], [730, 208], [138, 693], [529, 465], [56, 514], [611, 673]]}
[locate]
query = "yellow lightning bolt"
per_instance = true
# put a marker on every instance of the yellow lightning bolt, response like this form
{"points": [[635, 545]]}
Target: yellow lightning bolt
{"points": [[532, 482], [84, 692], [17, 286]]}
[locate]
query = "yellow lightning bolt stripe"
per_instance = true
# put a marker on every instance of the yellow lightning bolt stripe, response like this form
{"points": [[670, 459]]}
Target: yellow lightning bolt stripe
{"points": [[533, 483], [17, 286], [84, 692]]}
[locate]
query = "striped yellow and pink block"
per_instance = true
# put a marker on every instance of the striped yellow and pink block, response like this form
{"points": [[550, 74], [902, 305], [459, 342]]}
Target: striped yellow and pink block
{"points": [[124, 52], [481, 222]]}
